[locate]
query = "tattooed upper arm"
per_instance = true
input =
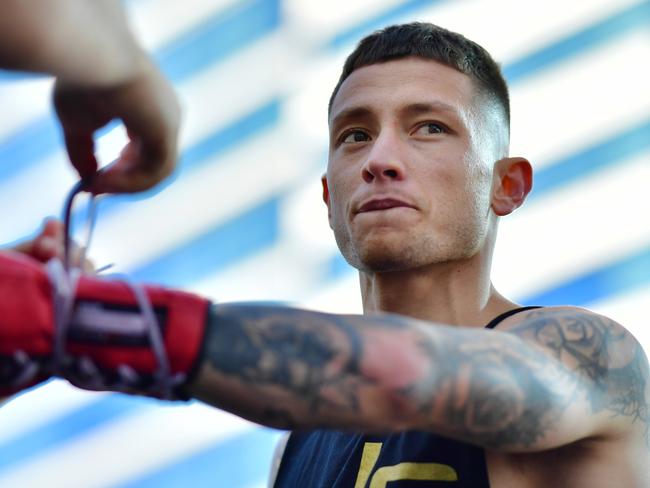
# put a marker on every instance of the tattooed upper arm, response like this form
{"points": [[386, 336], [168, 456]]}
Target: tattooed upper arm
{"points": [[611, 370]]}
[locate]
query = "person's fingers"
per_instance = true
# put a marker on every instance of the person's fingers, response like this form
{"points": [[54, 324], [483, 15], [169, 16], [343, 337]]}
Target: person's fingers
{"points": [[149, 110], [138, 168], [80, 116], [81, 151], [152, 118], [48, 243]]}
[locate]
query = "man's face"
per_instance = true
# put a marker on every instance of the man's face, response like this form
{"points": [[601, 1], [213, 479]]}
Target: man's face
{"points": [[408, 177]]}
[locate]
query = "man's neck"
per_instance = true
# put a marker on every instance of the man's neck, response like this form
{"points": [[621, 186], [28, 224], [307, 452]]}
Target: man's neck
{"points": [[454, 293]]}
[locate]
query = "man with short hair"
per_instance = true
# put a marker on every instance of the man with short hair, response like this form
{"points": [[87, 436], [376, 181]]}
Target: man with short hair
{"points": [[442, 380]]}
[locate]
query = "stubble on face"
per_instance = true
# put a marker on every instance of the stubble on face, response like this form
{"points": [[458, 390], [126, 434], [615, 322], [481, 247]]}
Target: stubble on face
{"points": [[383, 250], [451, 227]]}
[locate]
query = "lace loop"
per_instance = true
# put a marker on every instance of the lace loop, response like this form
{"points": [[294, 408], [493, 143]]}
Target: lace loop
{"points": [[64, 278]]}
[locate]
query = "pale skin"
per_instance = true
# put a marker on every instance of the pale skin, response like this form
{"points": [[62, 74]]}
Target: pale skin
{"points": [[559, 387], [101, 74]]}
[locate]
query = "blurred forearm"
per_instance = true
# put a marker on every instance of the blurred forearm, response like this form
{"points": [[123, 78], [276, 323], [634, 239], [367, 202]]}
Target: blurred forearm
{"points": [[82, 41]]}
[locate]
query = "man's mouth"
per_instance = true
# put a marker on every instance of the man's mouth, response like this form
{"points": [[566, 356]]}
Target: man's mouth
{"points": [[379, 204]]}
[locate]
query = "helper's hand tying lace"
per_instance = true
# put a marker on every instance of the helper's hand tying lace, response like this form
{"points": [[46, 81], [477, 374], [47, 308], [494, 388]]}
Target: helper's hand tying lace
{"points": [[48, 244]]}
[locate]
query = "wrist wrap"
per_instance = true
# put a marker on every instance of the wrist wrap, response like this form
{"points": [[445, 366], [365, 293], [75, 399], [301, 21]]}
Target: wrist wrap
{"points": [[100, 334]]}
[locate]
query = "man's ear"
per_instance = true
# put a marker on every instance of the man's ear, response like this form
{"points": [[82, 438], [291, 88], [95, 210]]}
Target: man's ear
{"points": [[326, 195], [513, 180]]}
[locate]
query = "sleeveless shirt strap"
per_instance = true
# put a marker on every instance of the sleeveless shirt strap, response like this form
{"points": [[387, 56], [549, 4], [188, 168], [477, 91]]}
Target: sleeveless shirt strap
{"points": [[500, 318]]}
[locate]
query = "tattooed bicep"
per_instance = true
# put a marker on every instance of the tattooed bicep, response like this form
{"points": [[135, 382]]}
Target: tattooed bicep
{"points": [[604, 356]]}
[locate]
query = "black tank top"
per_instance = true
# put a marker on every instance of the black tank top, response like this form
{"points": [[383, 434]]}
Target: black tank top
{"points": [[412, 459]]}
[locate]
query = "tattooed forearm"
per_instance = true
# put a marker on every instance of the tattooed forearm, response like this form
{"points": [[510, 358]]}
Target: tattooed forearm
{"points": [[298, 369], [301, 355]]}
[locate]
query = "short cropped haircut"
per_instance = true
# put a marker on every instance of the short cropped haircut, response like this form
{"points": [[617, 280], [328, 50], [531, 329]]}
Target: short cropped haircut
{"points": [[429, 41]]}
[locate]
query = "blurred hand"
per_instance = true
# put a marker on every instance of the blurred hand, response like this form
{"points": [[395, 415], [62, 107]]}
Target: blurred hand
{"points": [[148, 108], [48, 244]]}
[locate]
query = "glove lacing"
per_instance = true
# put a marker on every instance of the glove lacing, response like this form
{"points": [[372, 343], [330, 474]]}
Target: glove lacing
{"points": [[64, 279]]}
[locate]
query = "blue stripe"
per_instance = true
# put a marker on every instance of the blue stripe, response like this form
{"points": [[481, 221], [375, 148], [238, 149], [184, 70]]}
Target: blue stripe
{"points": [[217, 38], [222, 246], [251, 124], [67, 427], [387, 17], [623, 145], [33, 143], [238, 462], [7, 76], [637, 16], [614, 279]]}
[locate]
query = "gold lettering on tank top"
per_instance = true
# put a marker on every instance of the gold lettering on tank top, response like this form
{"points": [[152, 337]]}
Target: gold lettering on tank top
{"points": [[401, 471]]}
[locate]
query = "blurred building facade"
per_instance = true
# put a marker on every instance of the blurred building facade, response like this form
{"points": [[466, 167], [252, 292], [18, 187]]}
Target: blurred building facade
{"points": [[242, 219]]}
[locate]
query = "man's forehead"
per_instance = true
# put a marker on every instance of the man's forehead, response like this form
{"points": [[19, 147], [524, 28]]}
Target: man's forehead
{"points": [[404, 82]]}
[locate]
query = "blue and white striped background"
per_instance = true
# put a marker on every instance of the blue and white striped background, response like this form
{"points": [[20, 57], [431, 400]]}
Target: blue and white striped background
{"points": [[243, 219]]}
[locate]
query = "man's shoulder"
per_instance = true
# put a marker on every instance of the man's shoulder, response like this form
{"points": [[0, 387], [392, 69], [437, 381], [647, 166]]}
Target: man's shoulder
{"points": [[603, 355], [579, 322]]}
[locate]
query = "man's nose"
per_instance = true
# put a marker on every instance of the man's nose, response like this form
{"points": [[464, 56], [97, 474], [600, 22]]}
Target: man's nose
{"points": [[385, 159]]}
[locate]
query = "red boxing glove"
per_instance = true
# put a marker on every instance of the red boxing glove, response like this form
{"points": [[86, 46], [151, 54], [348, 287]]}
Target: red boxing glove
{"points": [[99, 334]]}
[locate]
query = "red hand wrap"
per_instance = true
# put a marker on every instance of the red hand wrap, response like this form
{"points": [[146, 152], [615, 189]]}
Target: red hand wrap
{"points": [[26, 323], [107, 343]]}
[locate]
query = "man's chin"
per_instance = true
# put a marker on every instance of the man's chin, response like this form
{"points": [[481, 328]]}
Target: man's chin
{"points": [[385, 262]]}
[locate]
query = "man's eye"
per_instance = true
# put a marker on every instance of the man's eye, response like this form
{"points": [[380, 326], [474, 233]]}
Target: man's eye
{"points": [[431, 128], [355, 136]]}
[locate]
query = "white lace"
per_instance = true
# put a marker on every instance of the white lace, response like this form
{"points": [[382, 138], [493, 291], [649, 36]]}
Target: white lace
{"points": [[64, 285]]}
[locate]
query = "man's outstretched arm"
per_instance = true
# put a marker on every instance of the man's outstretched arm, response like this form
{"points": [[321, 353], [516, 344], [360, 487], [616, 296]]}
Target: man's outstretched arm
{"points": [[558, 376]]}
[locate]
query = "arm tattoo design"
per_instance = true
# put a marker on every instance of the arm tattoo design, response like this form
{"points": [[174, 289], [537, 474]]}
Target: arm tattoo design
{"points": [[487, 395], [602, 353], [311, 356], [487, 391]]}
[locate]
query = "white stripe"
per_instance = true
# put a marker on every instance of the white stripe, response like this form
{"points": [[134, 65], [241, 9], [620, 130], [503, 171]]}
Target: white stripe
{"points": [[198, 202], [343, 296], [574, 229], [582, 100], [27, 411], [631, 311], [158, 22], [510, 29], [276, 274], [236, 86], [315, 23], [128, 447], [34, 193], [22, 103]]}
